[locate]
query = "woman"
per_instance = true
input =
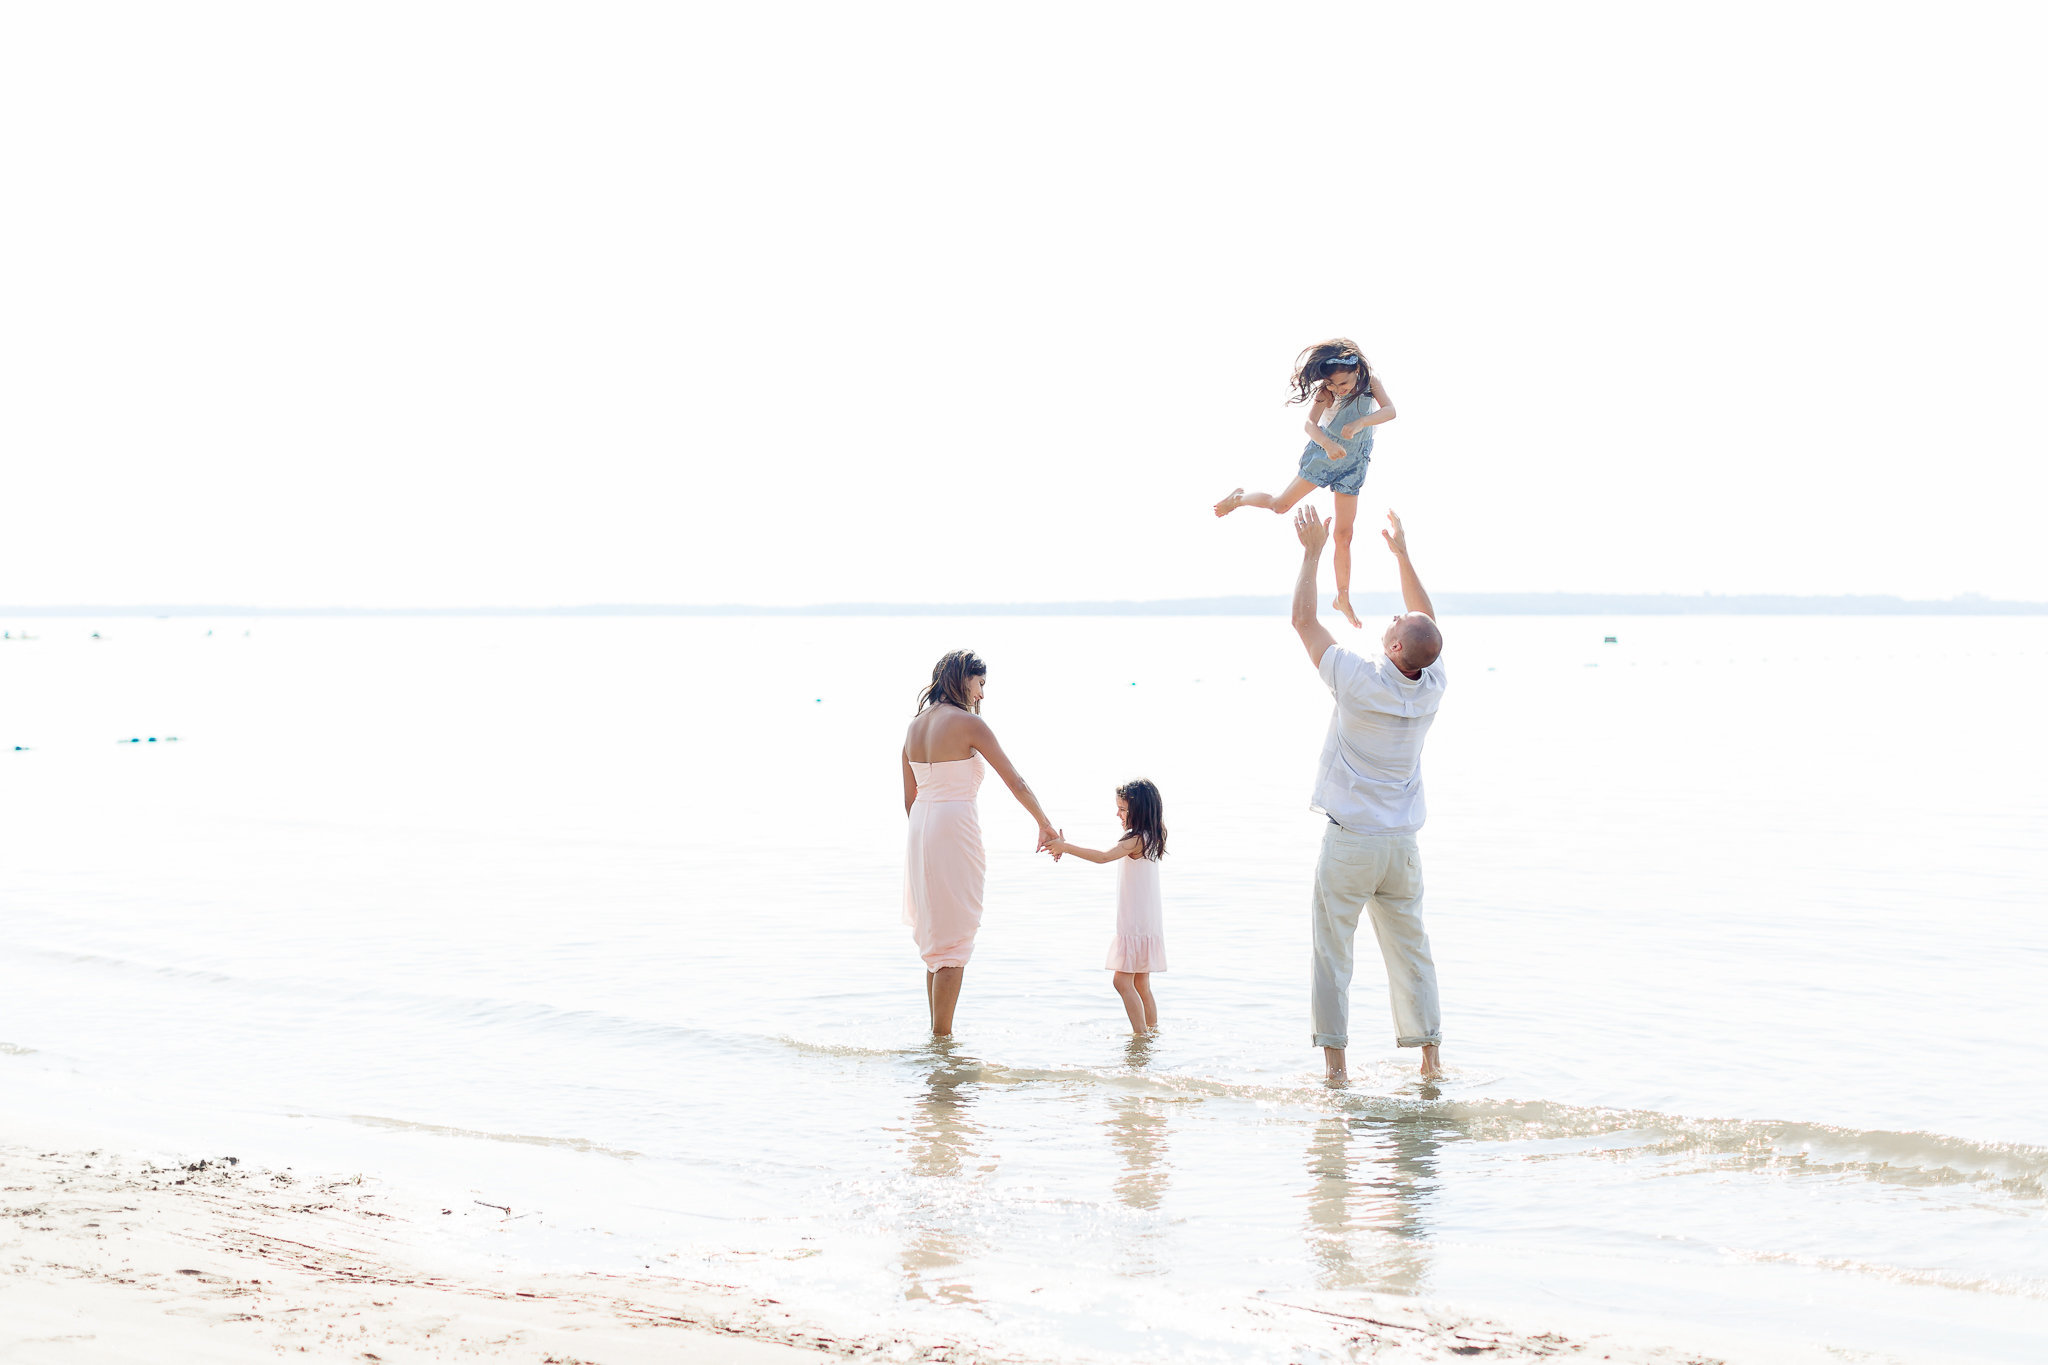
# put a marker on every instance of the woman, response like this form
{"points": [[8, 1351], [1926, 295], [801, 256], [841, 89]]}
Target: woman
{"points": [[943, 756]]}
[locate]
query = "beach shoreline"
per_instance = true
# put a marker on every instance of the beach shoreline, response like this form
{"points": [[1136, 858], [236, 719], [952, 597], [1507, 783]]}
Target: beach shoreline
{"points": [[114, 1255]]}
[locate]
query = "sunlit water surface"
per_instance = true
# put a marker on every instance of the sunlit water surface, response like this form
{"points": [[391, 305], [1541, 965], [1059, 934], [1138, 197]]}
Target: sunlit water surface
{"points": [[1739, 925]]}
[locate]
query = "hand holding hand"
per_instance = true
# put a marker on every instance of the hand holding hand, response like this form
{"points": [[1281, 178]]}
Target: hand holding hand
{"points": [[1047, 837], [1397, 539], [1312, 530]]}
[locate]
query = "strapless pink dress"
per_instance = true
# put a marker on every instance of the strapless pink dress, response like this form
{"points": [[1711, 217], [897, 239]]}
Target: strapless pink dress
{"points": [[946, 867]]}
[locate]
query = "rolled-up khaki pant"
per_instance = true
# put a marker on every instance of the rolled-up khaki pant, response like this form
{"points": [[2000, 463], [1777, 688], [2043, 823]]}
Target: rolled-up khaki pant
{"points": [[1385, 872]]}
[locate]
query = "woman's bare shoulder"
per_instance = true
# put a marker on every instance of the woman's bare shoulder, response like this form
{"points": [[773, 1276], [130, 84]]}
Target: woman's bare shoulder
{"points": [[943, 728]]}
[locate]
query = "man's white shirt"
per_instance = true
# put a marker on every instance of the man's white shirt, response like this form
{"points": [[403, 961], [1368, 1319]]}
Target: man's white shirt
{"points": [[1370, 777]]}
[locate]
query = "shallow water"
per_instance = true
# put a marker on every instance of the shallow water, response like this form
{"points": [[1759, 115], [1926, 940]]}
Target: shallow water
{"points": [[1738, 923]]}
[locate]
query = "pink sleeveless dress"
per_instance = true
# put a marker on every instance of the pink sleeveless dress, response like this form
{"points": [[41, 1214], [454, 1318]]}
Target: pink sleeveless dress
{"points": [[945, 868], [1139, 944]]}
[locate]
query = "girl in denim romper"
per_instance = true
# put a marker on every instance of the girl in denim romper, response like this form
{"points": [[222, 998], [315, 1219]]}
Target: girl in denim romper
{"points": [[1346, 401]]}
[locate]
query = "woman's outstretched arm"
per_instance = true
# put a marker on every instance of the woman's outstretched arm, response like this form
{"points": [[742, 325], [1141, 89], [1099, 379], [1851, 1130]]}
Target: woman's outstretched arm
{"points": [[1122, 849], [982, 740]]}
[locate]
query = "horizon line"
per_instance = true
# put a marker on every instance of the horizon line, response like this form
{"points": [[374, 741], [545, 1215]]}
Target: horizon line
{"points": [[1463, 603]]}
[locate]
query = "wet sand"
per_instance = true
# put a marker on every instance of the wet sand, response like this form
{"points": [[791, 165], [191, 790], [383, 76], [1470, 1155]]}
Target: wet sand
{"points": [[118, 1257]]}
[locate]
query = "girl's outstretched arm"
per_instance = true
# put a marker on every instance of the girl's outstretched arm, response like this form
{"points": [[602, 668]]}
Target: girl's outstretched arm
{"points": [[1383, 413], [1123, 848]]}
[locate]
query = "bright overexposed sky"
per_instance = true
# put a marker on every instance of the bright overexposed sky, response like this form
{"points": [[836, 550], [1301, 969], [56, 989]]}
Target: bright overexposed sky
{"points": [[441, 304]]}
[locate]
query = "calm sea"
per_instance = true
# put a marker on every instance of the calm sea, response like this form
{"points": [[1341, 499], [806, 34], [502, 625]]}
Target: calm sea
{"points": [[1739, 923]]}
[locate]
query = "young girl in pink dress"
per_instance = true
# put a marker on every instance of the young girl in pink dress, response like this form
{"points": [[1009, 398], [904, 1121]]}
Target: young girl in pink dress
{"points": [[1139, 947]]}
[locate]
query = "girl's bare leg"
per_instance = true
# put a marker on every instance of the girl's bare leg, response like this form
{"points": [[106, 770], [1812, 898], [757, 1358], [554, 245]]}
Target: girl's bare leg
{"points": [[944, 988], [1295, 491], [1134, 1005], [1347, 513], [1143, 981]]}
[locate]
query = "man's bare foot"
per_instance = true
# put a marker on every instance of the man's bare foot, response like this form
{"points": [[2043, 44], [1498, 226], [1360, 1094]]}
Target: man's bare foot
{"points": [[1432, 1063], [1231, 503], [1333, 1065], [1343, 604]]}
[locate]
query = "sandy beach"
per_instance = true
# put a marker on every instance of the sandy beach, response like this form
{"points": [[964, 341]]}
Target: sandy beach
{"points": [[112, 1256]]}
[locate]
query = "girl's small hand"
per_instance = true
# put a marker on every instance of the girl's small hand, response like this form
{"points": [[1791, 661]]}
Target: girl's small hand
{"points": [[1334, 452], [1352, 430]]}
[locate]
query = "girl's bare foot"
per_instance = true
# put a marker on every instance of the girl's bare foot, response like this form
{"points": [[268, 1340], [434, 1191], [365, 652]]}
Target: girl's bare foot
{"points": [[1343, 604], [1231, 503]]}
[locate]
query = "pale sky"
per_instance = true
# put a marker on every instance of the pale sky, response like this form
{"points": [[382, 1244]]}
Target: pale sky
{"points": [[439, 304]]}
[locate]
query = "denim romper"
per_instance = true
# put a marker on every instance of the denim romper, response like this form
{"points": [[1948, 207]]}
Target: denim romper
{"points": [[1347, 475]]}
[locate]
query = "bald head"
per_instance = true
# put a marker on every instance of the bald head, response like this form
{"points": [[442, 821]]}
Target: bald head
{"points": [[1412, 642]]}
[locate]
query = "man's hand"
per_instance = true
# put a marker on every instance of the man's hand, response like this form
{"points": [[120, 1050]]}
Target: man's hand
{"points": [[1312, 530], [1314, 533], [1397, 539], [1413, 597]]}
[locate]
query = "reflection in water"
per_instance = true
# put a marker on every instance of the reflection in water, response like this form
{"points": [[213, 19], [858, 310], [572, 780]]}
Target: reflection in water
{"points": [[1137, 1133], [941, 1148], [1371, 1184], [1137, 1130]]}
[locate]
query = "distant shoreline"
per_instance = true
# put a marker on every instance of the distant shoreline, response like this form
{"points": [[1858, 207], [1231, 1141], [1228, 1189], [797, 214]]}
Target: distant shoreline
{"points": [[1451, 603]]}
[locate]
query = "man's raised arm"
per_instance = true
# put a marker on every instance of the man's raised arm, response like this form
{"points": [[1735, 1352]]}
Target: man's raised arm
{"points": [[1314, 534], [1413, 598]]}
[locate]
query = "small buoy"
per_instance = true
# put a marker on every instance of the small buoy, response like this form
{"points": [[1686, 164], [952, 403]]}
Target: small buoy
{"points": [[1607, 640], [817, 699], [152, 739]]}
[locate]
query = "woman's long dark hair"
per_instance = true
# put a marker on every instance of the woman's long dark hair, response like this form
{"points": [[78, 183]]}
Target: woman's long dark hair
{"points": [[1313, 367], [1146, 816], [949, 681]]}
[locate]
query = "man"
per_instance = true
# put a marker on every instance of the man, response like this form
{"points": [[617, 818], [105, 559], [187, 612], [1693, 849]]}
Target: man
{"points": [[1369, 784]]}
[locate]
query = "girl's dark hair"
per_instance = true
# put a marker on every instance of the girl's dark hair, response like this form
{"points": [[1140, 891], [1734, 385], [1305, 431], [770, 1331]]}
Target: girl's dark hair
{"points": [[1315, 365], [1146, 816], [949, 681]]}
